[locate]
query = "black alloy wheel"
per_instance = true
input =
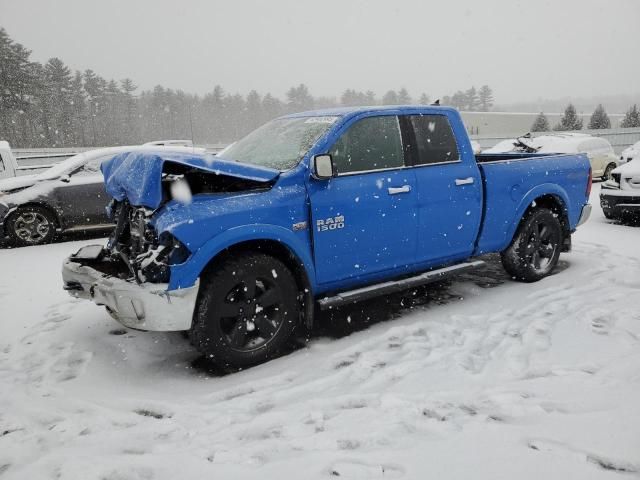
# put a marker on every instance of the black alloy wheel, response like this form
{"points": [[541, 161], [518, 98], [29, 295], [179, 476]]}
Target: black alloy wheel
{"points": [[247, 310], [535, 249]]}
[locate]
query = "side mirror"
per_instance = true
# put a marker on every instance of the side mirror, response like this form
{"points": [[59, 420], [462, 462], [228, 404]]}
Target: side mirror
{"points": [[66, 178], [322, 167]]}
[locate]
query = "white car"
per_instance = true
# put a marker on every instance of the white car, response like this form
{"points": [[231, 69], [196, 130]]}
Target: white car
{"points": [[620, 195], [630, 153], [600, 152]]}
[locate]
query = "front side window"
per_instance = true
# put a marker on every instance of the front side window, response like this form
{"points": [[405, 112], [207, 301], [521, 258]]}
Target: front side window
{"points": [[435, 141], [279, 144], [372, 143]]}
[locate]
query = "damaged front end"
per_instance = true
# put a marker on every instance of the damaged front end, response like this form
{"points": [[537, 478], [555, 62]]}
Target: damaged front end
{"points": [[131, 275], [135, 249]]}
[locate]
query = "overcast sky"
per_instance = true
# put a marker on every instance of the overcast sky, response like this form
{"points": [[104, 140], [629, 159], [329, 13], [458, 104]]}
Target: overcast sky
{"points": [[523, 49]]}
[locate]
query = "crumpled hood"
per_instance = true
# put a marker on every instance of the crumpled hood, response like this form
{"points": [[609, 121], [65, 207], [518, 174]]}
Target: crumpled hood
{"points": [[18, 182], [137, 176]]}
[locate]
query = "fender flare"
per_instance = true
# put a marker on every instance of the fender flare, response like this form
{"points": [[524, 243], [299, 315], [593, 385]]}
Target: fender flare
{"points": [[186, 274], [537, 192]]}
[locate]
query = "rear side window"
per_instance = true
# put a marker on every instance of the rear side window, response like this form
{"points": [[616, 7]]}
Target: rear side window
{"points": [[1, 164], [372, 143], [435, 142]]}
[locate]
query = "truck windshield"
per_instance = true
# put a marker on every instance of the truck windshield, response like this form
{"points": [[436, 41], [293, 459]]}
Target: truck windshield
{"points": [[279, 144]]}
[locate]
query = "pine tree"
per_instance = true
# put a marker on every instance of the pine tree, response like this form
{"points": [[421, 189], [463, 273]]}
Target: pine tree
{"points": [[390, 98], [459, 100], [541, 124], [369, 98], [403, 97], [424, 99], [299, 99], [471, 99], [253, 110], [570, 120], [18, 85], [349, 98], [599, 119], [78, 100], [59, 90], [485, 98], [272, 107], [130, 111], [95, 86], [631, 118]]}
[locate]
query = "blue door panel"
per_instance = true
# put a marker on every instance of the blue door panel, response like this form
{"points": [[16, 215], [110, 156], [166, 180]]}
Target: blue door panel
{"points": [[359, 227], [449, 210]]}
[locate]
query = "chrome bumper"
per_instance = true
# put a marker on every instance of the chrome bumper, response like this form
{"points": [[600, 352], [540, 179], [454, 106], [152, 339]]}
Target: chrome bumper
{"points": [[584, 216], [148, 306]]}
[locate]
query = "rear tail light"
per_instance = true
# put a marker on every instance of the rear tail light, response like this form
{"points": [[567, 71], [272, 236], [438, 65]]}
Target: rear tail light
{"points": [[589, 182]]}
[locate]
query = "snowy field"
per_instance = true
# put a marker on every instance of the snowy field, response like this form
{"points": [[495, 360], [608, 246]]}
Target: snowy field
{"points": [[481, 378]]}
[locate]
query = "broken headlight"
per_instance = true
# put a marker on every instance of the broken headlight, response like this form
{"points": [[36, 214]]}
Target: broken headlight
{"points": [[155, 264]]}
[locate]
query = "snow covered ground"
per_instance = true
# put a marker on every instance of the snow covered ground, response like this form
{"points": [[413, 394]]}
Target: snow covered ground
{"points": [[481, 378]]}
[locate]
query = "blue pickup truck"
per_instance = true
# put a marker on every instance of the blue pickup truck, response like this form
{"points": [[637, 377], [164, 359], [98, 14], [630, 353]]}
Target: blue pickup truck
{"points": [[312, 211]]}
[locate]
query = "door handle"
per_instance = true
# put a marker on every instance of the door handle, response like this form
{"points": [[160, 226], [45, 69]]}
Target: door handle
{"points": [[464, 181], [396, 190]]}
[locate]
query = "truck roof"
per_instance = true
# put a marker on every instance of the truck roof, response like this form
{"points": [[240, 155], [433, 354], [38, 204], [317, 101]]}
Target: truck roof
{"points": [[344, 111]]}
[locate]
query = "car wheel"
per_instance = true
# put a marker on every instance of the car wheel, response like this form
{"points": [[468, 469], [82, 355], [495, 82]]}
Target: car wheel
{"points": [[535, 249], [607, 171], [247, 310], [31, 225]]}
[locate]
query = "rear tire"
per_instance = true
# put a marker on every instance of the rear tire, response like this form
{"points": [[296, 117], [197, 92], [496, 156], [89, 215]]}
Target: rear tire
{"points": [[535, 248], [31, 225], [247, 310]]}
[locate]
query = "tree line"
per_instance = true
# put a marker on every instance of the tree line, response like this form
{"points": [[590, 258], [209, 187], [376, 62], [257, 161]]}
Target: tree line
{"points": [[49, 105], [598, 120]]}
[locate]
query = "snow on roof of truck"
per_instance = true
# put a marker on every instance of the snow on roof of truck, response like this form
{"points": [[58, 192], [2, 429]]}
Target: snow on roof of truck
{"points": [[344, 111]]}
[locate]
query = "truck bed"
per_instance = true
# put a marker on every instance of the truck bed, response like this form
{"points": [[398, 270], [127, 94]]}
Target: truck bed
{"points": [[511, 181]]}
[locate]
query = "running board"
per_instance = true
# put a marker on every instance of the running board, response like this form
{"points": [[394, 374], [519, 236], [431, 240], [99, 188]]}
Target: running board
{"points": [[371, 291]]}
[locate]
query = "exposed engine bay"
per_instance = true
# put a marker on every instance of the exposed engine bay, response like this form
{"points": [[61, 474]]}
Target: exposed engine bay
{"points": [[135, 251]]}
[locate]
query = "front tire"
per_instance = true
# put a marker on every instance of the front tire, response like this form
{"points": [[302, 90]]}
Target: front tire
{"points": [[247, 310], [31, 225], [535, 248]]}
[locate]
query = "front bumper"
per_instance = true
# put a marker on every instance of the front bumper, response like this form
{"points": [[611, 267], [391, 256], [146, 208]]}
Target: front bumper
{"points": [[617, 203], [148, 306]]}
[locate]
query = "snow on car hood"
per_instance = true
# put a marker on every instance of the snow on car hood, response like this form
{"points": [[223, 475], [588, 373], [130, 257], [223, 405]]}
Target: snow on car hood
{"points": [[137, 176], [631, 169], [631, 152]]}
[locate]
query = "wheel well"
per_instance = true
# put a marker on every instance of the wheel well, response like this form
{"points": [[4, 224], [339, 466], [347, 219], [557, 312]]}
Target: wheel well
{"points": [[282, 253], [557, 206]]}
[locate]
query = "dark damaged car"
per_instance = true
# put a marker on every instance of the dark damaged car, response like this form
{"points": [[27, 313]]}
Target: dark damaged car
{"points": [[318, 209], [67, 197]]}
